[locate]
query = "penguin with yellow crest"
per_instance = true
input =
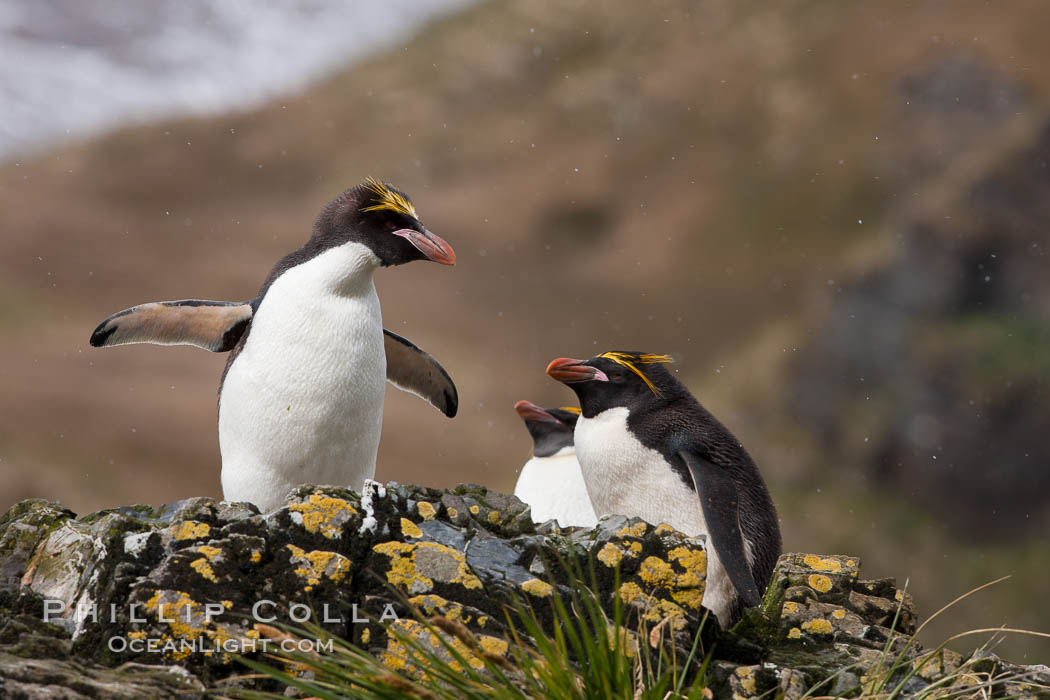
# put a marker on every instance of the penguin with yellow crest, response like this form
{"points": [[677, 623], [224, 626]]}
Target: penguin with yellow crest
{"points": [[647, 448], [301, 398]]}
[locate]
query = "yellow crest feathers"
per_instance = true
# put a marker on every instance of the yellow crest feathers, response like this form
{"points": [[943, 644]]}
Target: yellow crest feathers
{"points": [[632, 360], [571, 409], [386, 198]]}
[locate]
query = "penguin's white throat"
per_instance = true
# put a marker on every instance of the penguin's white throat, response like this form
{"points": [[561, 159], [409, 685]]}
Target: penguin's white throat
{"points": [[345, 270]]}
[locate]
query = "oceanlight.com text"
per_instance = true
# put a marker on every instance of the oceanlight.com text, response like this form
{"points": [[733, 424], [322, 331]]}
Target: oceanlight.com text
{"points": [[145, 645]]}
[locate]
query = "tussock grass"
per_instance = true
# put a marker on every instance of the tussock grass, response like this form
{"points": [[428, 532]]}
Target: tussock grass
{"points": [[585, 653]]}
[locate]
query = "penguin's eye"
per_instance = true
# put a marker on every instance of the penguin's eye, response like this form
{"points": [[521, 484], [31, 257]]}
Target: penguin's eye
{"points": [[615, 375], [390, 225]]}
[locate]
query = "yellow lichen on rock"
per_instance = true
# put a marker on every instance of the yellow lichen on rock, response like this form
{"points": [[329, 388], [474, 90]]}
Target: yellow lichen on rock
{"points": [[538, 588], [746, 674], [189, 530], [493, 645], [452, 513], [794, 633], [183, 615], [366, 635], [410, 529], [822, 564], [430, 603], [694, 561], [819, 582], [790, 607], [323, 514], [395, 656], [663, 529], [656, 609], [689, 597], [656, 572], [426, 510], [493, 517], [313, 566], [208, 551], [475, 509], [398, 656], [404, 569], [434, 604], [624, 638], [610, 555], [636, 530], [839, 614], [817, 626], [203, 567], [630, 592]]}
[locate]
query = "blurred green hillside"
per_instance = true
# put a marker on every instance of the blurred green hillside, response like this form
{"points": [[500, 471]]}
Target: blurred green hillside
{"points": [[800, 202]]}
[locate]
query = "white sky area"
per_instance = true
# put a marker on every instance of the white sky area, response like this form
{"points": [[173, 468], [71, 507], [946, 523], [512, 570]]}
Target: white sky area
{"points": [[73, 68]]}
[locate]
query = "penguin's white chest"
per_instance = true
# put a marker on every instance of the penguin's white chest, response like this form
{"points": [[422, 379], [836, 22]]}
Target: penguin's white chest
{"points": [[303, 402], [554, 488], [625, 477]]}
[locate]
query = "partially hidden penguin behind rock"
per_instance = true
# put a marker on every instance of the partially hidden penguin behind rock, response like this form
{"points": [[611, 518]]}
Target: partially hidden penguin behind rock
{"points": [[551, 481], [647, 448], [301, 397]]}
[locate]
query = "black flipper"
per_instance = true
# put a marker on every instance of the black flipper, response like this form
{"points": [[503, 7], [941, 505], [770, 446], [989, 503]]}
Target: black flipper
{"points": [[415, 371], [212, 325], [721, 504]]}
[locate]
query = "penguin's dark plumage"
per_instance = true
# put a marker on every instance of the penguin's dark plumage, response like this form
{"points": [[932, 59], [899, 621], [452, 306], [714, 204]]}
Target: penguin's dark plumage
{"points": [[551, 481], [551, 428], [301, 396], [647, 448]]}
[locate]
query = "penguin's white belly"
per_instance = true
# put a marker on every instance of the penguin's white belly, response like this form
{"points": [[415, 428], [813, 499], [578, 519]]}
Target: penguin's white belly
{"points": [[554, 488], [624, 477], [303, 402]]}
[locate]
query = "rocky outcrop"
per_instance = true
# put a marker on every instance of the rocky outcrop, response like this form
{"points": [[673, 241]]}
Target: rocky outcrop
{"points": [[142, 601]]}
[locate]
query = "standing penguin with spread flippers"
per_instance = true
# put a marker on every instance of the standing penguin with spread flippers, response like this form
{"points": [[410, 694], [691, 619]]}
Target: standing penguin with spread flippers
{"points": [[647, 448], [301, 397], [551, 481]]}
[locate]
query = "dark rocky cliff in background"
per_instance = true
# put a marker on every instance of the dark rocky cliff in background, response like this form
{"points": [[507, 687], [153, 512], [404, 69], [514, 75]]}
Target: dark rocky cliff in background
{"points": [[932, 367], [189, 573]]}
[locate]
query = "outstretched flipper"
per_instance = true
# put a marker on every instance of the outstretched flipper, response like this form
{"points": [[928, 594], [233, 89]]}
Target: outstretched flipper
{"points": [[720, 504], [417, 372], [212, 325]]}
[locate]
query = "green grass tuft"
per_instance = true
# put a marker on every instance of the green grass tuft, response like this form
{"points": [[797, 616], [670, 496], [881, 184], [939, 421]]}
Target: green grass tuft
{"points": [[583, 653]]}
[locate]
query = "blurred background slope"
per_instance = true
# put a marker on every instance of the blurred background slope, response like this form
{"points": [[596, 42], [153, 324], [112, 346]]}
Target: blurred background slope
{"points": [[834, 216]]}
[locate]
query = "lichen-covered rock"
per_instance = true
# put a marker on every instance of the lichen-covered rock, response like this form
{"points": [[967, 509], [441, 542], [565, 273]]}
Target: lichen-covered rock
{"points": [[194, 582], [109, 604], [21, 530], [36, 661]]}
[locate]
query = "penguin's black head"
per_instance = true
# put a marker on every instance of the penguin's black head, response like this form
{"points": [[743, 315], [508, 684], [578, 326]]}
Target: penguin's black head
{"points": [[551, 428], [635, 380], [383, 219]]}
